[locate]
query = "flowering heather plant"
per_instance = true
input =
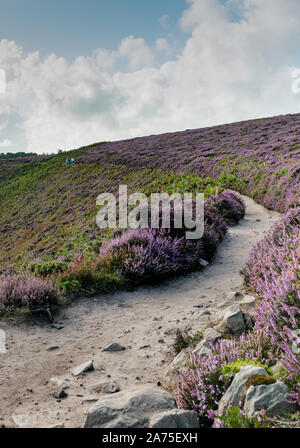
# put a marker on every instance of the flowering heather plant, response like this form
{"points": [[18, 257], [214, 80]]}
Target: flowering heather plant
{"points": [[260, 158], [230, 206], [18, 291], [273, 272], [202, 384], [148, 254]]}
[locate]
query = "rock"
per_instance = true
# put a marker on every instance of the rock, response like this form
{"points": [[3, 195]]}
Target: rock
{"points": [[132, 408], [271, 398], [203, 263], [178, 363], [115, 347], [61, 394], [211, 335], [175, 418], [85, 367], [106, 387], [57, 326], [34, 420], [233, 321], [89, 399], [248, 304], [224, 304], [204, 313], [248, 321], [203, 348], [235, 295], [237, 390], [52, 348]]}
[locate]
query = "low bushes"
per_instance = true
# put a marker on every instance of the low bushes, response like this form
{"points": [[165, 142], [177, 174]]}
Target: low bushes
{"points": [[230, 206], [149, 255], [273, 272], [154, 254], [204, 382], [46, 268], [18, 291], [83, 273]]}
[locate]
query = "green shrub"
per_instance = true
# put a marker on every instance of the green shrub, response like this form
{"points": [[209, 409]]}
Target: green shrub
{"points": [[237, 418], [234, 367], [108, 282], [69, 286], [46, 268]]}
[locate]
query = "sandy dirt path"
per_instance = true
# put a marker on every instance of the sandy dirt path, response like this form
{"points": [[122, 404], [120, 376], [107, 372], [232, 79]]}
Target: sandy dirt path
{"points": [[144, 321]]}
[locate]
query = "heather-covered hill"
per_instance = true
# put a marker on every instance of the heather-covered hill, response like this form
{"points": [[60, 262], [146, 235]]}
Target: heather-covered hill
{"points": [[49, 237], [260, 158], [48, 210]]}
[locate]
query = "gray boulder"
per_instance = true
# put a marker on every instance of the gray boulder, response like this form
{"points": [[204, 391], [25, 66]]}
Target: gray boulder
{"points": [[271, 398], [211, 335], [175, 418], [235, 295], [178, 363], [132, 408], [106, 387], [237, 390], [85, 367], [203, 348], [234, 321], [115, 347]]}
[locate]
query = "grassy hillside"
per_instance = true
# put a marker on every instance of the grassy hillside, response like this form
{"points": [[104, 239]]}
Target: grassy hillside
{"points": [[48, 210]]}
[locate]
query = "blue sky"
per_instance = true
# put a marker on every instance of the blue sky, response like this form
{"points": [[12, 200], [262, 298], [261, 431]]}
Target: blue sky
{"points": [[78, 72], [75, 27]]}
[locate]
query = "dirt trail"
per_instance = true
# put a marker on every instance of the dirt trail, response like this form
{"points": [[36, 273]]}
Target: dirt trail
{"points": [[144, 321]]}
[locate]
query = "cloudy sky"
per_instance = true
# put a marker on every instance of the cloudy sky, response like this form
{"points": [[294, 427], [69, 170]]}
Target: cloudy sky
{"points": [[80, 72]]}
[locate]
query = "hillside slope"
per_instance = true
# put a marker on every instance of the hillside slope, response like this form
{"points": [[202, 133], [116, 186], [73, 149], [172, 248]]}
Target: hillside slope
{"points": [[48, 210], [138, 320]]}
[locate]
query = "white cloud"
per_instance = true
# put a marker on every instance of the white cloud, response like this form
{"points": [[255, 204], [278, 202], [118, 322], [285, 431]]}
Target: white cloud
{"points": [[6, 143], [228, 70], [137, 52], [2, 82], [162, 45]]}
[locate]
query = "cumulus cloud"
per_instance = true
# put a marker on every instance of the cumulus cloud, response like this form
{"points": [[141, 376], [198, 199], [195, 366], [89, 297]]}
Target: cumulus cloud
{"points": [[133, 50], [136, 50], [236, 64], [162, 45], [6, 143]]}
